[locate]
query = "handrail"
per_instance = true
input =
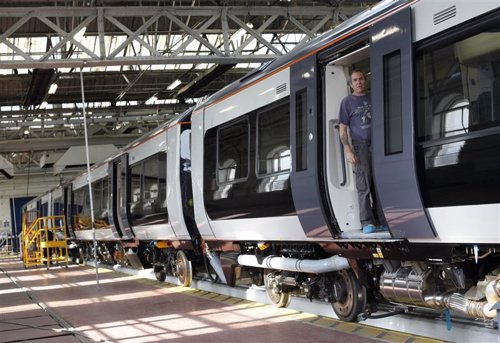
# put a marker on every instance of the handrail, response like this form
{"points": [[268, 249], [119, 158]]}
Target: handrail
{"points": [[342, 159]]}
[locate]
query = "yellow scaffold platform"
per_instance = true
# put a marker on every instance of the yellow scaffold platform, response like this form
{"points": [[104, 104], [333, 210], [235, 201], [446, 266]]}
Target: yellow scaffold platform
{"points": [[44, 241]]}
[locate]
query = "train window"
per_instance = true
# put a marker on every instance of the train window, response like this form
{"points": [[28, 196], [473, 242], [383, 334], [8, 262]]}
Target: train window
{"points": [[81, 208], [58, 206], [459, 87], [233, 152], [301, 131], [393, 129], [273, 135], [149, 190], [155, 184], [135, 189], [457, 117], [101, 202]]}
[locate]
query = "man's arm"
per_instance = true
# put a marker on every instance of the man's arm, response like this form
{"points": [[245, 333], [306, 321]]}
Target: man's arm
{"points": [[344, 138]]}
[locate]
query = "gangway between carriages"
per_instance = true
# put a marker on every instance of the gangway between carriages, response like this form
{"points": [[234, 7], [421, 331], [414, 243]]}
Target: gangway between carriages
{"points": [[44, 241]]}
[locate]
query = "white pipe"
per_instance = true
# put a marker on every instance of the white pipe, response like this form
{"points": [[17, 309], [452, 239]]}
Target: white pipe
{"points": [[331, 264]]}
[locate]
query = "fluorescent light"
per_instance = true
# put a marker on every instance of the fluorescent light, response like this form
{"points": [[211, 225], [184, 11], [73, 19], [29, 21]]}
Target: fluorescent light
{"points": [[151, 100], [53, 88], [174, 85]]}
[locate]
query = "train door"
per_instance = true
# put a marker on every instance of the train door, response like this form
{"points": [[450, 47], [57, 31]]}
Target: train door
{"points": [[178, 179], [304, 103], [393, 140], [70, 212], [119, 193], [337, 64]]}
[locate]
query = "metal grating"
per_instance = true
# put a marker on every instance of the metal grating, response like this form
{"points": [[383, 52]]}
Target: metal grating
{"points": [[445, 15], [281, 88]]}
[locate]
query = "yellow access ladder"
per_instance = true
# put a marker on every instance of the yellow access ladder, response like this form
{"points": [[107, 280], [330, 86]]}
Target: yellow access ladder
{"points": [[44, 241]]}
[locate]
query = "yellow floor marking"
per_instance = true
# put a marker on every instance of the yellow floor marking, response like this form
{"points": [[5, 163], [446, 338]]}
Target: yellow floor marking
{"points": [[396, 337], [368, 331], [220, 297], [417, 339], [231, 301], [346, 327], [306, 317], [324, 321]]}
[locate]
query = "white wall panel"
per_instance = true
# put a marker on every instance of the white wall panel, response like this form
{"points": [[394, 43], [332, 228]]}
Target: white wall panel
{"points": [[428, 15]]}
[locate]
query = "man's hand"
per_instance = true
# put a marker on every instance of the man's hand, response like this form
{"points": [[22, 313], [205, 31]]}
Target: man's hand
{"points": [[351, 158], [344, 138]]}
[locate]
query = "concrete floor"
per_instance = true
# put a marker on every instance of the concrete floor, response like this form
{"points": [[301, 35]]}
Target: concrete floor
{"points": [[126, 308]]}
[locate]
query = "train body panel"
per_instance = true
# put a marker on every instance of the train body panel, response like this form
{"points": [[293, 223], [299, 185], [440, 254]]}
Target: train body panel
{"points": [[227, 191], [155, 166], [286, 228], [197, 140], [474, 224], [81, 206], [148, 169], [457, 133], [433, 17], [101, 234]]}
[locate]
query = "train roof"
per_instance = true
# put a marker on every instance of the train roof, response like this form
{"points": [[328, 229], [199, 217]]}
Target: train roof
{"points": [[182, 117], [321, 42]]}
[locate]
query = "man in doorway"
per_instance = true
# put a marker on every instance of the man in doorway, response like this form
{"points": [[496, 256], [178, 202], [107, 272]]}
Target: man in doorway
{"points": [[356, 121]]}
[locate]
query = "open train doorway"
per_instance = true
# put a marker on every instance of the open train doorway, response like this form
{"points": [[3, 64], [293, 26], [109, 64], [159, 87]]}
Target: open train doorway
{"points": [[340, 178]]}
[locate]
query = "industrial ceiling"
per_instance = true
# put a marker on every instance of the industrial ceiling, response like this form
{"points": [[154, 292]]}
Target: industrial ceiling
{"points": [[131, 64]]}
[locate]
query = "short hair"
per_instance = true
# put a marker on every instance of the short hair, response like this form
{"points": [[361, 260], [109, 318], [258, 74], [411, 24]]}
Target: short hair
{"points": [[356, 71]]}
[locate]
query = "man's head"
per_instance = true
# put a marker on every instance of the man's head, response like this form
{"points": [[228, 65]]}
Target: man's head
{"points": [[358, 82]]}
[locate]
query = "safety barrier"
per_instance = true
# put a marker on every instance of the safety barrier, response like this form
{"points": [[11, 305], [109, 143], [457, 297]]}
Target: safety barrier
{"points": [[6, 243], [44, 241]]}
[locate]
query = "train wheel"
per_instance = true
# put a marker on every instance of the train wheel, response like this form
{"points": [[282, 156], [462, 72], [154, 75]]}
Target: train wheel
{"points": [[276, 296], [160, 273], [183, 269], [350, 295]]}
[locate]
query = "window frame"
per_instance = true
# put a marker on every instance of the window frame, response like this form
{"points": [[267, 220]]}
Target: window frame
{"points": [[265, 110], [242, 119]]}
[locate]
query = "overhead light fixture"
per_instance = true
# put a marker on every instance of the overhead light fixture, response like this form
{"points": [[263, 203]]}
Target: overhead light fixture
{"points": [[26, 132], [151, 100], [174, 85], [53, 88]]}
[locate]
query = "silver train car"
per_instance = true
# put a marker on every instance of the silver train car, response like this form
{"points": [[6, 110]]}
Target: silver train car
{"points": [[259, 186]]}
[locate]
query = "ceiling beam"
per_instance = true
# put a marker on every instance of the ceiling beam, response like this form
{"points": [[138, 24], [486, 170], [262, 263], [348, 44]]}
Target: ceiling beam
{"points": [[207, 25], [61, 143]]}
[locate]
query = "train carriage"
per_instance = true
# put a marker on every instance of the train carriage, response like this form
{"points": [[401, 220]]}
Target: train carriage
{"points": [[254, 178], [273, 191], [159, 208]]}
